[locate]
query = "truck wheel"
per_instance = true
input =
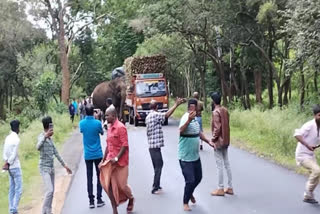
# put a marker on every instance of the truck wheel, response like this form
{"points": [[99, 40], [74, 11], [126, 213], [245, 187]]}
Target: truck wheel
{"points": [[131, 117], [136, 121]]}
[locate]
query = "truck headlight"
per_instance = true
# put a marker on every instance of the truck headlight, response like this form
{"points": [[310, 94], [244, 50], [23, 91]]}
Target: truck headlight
{"points": [[165, 105], [139, 107]]}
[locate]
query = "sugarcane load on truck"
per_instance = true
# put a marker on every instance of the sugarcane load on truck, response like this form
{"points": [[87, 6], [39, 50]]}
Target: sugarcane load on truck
{"points": [[145, 81]]}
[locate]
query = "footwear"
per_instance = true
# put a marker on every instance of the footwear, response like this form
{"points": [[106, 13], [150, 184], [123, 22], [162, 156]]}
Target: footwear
{"points": [[100, 203], [156, 190], [91, 205], [217, 192], [130, 205], [228, 191], [193, 200], [310, 200]]}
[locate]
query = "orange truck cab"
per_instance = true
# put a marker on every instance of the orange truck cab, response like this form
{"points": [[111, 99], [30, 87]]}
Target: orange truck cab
{"points": [[146, 87]]}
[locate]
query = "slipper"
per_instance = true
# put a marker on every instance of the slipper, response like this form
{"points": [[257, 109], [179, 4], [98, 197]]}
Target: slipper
{"points": [[130, 206]]}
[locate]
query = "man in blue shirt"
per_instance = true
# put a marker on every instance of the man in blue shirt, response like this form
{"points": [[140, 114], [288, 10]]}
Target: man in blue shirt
{"points": [[90, 129]]}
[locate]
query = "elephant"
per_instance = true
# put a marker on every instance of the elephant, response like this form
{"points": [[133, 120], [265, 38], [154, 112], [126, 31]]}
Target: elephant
{"points": [[114, 89]]}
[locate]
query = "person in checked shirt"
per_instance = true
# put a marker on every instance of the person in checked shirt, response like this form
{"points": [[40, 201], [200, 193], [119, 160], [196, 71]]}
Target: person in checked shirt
{"points": [[46, 164], [154, 122]]}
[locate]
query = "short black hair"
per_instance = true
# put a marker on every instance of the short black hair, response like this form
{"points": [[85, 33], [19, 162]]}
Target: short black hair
{"points": [[15, 125], [109, 101], [89, 109], [192, 101], [216, 97], [316, 109], [46, 121]]}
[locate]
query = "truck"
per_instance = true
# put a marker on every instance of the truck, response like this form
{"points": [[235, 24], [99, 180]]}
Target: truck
{"points": [[145, 77]]}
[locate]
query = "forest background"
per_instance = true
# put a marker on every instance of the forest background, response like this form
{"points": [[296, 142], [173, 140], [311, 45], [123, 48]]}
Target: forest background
{"points": [[261, 55]]}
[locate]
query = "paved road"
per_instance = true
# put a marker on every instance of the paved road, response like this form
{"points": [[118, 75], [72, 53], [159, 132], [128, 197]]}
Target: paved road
{"points": [[260, 186]]}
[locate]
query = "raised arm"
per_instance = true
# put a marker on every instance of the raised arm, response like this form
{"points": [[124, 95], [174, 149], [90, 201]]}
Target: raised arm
{"points": [[178, 102]]}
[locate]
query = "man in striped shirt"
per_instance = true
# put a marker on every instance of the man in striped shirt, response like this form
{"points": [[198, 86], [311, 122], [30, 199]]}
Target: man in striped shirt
{"points": [[47, 152]]}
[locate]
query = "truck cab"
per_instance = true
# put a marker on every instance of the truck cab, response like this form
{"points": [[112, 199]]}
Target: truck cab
{"points": [[146, 87]]}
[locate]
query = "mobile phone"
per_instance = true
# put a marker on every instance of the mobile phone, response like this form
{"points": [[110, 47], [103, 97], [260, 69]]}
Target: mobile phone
{"points": [[50, 125]]}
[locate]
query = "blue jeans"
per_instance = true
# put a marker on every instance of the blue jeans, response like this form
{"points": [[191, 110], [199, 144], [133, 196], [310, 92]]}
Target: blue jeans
{"points": [[15, 189]]}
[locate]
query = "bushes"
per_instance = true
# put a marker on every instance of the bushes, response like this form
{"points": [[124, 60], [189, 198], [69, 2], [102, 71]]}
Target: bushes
{"points": [[270, 132]]}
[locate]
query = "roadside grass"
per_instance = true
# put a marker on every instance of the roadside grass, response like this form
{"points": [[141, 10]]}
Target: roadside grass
{"points": [[29, 157], [268, 134]]}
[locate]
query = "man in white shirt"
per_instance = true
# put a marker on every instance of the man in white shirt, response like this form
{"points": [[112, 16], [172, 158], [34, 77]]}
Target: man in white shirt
{"points": [[10, 155], [308, 140]]}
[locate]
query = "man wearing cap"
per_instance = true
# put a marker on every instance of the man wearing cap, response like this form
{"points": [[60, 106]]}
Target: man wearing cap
{"points": [[154, 122], [221, 140]]}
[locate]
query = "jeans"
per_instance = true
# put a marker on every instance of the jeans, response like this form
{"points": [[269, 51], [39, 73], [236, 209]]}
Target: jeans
{"points": [[192, 173], [15, 189], [89, 166], [314, 177], [199, 119], [157, 163], [221, 156], [48, 180]]}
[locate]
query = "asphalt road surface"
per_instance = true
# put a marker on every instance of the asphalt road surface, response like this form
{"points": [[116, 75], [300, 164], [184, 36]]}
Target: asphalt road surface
{"points": [[260, 187]]}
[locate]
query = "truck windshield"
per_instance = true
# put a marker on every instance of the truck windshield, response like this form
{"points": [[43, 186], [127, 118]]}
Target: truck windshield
{"points": [[150, 88]]}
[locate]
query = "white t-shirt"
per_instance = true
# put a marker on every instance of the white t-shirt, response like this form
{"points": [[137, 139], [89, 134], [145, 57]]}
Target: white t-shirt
{"points": [[10, 150], [309, 132]]}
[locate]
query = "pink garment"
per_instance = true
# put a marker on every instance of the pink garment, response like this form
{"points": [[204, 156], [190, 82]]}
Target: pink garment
{"points": [[117, 137], [309, 132]]}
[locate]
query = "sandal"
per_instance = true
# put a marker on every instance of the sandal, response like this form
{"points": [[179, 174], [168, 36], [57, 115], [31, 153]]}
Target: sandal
{"points": [[130, 205]]}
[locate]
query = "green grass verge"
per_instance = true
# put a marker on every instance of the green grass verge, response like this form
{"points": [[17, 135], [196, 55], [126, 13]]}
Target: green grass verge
{"points": [[268, 133], [29, 157]]}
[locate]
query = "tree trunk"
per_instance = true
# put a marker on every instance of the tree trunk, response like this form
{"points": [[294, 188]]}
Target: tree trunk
{"points": [[258, 85], [270, 77], [64, 62], [203, 86], [286, 91], [2, 109], [302, 93], [315, 81]]}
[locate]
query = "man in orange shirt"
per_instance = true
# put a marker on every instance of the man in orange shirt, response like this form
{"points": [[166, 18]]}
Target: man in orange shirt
{"points": [[114, 169]]}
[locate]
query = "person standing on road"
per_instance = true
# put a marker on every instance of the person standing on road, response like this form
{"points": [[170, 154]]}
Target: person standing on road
{"points": [[199, 114], [11, 157], [71, 111], [308, 140], [115, 167], [82, 109], [188, 152], [75, 104], [154, 122], [46, 164], [91, 129], [221, 140]]}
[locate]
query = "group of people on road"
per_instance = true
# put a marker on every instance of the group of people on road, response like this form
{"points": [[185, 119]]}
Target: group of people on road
{"points": [[191, 132], [112, 165]]}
